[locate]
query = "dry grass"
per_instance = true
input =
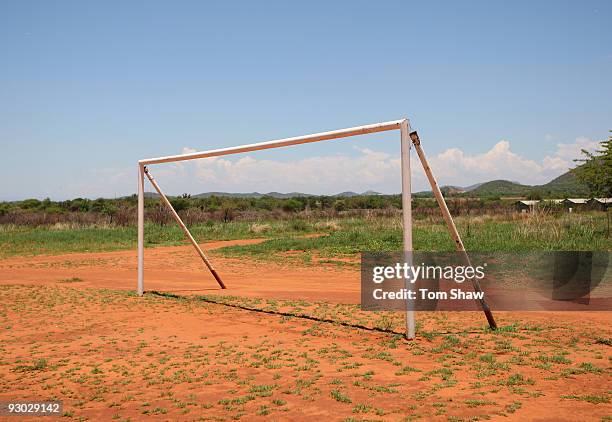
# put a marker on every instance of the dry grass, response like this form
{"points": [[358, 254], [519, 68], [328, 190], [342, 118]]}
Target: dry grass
{"points": [[329, 225], [259, 228], [73, 225]]}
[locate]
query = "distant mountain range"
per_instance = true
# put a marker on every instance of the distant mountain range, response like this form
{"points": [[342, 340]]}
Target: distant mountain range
{"points": [[277, 195], [566, 185]]}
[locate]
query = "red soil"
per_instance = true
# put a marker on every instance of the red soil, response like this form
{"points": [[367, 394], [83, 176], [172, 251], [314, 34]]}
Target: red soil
{"points": [[179, 269], [80, 336]]}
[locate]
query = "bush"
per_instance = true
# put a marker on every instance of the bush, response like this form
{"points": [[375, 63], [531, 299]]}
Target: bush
{"points": [[4, 208], [30, 204], [299, 225], [340, 205], [54, 209], [535, 196], [180, 203], [79, 205], [292, 205]]}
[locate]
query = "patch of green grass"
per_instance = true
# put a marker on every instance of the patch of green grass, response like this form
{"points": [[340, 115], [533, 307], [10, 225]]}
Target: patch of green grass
{"points": [[589, 367], [379, 235], [560, 359], [263, 410], [341, 397], [478, 402], [513, 407], [517, 379], [18, 240], [362, 408], [349, 237], [38, 240], [70, 280], [443, 373], [407, 370], [262, 390], [594, 399], [39, 365], [487, 357]]}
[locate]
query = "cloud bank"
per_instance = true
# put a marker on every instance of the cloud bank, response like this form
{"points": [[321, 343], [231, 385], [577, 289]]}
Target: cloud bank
{"points": [[368, 169], [361, 170]]}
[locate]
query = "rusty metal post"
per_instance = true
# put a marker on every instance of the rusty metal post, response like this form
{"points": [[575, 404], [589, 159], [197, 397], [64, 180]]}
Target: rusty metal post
{"points": [[450, 223]]}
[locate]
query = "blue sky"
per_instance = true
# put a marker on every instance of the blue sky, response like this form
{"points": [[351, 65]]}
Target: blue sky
{"points": [[496, 89]]}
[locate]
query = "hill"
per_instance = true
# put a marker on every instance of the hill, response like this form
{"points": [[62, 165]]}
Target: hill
{"points": [[501, 188], [567, 184], [471, 187], [564, 186], [350, 194], [279, 195]]}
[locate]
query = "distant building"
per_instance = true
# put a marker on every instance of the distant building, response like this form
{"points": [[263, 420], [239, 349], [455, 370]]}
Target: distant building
{"points": [[572, 204], [526, 205], [601, 204]]}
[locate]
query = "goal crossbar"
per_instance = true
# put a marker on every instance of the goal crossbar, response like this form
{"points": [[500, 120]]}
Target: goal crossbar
{"points": [[403, 125], [297, 140]]}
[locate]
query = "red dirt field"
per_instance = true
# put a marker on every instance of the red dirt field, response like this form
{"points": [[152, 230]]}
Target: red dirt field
{"points": [[179, 269], [73, 331]]}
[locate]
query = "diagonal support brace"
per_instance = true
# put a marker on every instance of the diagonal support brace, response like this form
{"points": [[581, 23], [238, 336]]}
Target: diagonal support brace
{"points": [[184, 228], [414, 136]]}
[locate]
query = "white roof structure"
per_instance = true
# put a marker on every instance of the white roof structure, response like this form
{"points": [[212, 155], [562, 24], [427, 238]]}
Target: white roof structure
{"points": [[573, 201], [577, 201]]}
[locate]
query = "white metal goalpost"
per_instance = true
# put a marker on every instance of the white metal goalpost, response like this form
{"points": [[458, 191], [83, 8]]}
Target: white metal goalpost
{"points": [[403, 125]]}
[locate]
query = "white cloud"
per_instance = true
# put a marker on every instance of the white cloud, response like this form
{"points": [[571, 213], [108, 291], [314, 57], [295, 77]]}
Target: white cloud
{"points": [[324, 174], [571, 151], [455, 167], [363, 170], [376, 170]]}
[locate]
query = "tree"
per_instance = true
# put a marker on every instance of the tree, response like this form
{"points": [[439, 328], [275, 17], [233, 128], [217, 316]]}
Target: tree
{"points": [[292, 205], [79, 205], [595, 170], [30, 204], [535, 195], [340, 205], [179, 203], [227, 211]]}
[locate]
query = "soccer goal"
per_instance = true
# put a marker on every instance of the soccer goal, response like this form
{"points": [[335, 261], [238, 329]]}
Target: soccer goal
{"points": [[403, 126]]}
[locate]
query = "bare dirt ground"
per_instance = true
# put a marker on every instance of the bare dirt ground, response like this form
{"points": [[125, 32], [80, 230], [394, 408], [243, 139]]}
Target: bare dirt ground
{"points": [[179, 269], [73, 330]]}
